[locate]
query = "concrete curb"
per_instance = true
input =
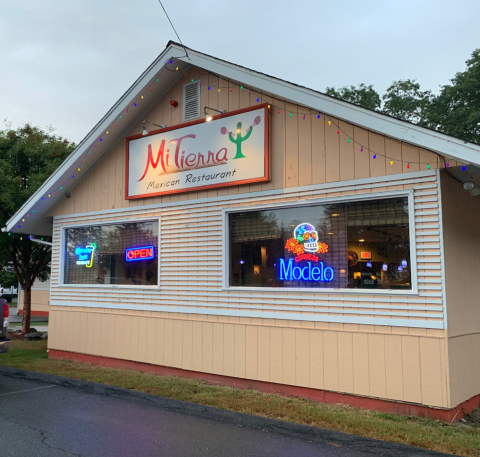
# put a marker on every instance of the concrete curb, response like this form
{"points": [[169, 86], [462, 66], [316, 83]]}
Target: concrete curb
{"points": [[303, 432]]}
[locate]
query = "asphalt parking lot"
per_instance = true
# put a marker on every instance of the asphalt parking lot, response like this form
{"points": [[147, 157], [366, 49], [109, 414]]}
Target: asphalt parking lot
{"points": [[48, 419]]}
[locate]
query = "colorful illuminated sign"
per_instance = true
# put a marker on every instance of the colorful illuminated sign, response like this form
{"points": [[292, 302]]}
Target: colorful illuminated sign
{"points": [[303, 243], [85, 255], [366, 255], [141, 253]]}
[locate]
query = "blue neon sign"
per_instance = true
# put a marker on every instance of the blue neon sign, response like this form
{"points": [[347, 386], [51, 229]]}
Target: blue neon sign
{"points": [[85, 255], [307, 273]]}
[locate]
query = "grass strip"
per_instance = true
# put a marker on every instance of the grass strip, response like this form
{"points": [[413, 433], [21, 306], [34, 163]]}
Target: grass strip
{"points": [[426, 433]]}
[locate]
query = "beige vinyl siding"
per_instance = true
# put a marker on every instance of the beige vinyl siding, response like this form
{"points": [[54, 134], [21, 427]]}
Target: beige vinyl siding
{"points": [[386, 364], [461, 234]]}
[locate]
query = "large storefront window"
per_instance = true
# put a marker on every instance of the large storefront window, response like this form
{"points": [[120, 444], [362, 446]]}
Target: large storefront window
{"points": [[352, 245], [122, 254]]}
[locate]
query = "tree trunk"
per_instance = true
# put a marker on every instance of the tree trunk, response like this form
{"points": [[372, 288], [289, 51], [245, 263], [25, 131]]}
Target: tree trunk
{"points": [[27, 307]]}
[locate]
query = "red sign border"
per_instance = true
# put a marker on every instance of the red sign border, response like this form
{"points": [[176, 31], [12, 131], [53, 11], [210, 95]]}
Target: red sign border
{"points": [[265, 177]]}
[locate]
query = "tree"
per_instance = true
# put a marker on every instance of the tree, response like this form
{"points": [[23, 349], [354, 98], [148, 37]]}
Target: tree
{"points": [[456, 111], [405, 100], [362, 95], [28, 156]]}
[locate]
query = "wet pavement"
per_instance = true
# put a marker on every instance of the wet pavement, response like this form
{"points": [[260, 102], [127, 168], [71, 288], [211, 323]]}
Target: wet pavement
{"points": [[49, 419]]}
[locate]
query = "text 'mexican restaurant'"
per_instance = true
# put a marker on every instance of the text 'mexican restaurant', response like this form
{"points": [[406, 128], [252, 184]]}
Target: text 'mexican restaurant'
{"points": [[225, 224]]}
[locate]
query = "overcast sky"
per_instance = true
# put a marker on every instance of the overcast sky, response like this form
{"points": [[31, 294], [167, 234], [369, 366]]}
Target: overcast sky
{"points": [[65, 63]]}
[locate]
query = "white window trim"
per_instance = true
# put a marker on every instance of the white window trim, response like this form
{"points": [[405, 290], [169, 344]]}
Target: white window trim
{"points": [[360, 197], [106, 286]]}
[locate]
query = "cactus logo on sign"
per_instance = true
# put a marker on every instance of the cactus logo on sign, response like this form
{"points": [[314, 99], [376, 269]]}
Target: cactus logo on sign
{"points": [[229, 150]]}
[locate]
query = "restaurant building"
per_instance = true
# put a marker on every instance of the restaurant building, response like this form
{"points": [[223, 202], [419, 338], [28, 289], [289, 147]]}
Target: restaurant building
{"points": [[223, 224]]}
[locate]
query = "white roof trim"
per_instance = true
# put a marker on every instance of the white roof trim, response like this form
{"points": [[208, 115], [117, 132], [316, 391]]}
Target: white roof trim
{"points": [[446, 145]]}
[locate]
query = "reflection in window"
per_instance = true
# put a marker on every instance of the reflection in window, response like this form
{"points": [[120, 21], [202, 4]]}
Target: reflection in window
{"points": [[357, 245], [98, 254]]}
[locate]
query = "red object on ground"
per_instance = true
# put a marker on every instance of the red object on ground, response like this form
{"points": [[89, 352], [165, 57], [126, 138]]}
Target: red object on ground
{"points": [[321, 396], [174, 103]]}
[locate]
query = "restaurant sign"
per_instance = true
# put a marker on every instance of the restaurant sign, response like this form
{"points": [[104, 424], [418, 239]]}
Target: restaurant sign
{"points": [[231, 149]]}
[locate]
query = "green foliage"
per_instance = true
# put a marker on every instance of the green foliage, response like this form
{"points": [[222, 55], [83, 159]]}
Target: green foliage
{"points": [[8, 279], [28, 156], [405, 100], [362, 95], [455, 111]]}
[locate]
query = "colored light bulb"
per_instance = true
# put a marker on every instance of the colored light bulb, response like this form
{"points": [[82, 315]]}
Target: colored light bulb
{"points": [[209, 87], [278, 111], [304, 116], [374, 156], [218, 90], [447, 164], [191, 80], [120, 117], [338, 131], [464, 168], [391, 162], [157, 80], [291, 114], [231, 90], [268, 106], [329, 122], [61, 188], [142, 97], [408, 165], [318, 117], [241, 87], [348, 140], [258, 100], [176, 69], [428, 166], [361, 149]]}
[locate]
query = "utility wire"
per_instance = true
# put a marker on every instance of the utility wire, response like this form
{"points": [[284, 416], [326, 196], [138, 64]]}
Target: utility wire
{"points": [[165, 11]]}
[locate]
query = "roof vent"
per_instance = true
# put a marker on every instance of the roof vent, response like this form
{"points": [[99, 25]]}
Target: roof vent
{"points": [[191, 101]]}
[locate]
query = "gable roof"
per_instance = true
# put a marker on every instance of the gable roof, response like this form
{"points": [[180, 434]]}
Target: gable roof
{"points": [[155, 82]]}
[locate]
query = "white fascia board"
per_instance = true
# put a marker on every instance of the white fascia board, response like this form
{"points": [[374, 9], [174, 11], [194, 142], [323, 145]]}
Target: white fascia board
{"points": [[69, 165], [446, 145]]}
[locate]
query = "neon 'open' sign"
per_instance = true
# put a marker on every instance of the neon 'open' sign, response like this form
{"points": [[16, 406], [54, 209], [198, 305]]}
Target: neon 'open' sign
{"points": [[141, 253]]}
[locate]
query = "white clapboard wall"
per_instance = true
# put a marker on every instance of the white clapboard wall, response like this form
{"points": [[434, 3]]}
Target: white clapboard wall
{"points": [[191, 274]]}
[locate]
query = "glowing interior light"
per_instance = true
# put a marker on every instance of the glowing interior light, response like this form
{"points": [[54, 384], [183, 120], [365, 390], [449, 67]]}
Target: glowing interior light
{"points": [[404, 263], [369, 264], [140, 253], [384, 267], [400, 268], [241, 262]]}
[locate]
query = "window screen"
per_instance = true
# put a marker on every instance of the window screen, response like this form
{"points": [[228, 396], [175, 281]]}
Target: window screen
{"points": [[124, 254], [354, 245]]}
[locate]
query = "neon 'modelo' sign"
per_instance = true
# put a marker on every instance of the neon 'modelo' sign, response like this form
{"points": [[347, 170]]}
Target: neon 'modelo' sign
{"points": [[141, 253], [308, 273], [305, 246]]}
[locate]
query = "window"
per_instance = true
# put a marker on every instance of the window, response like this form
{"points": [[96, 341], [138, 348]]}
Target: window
{"points": [[351, 245], [121, 254]]}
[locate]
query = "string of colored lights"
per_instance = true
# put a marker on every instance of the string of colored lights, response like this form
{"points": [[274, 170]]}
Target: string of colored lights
{"points": [[260, 98]]}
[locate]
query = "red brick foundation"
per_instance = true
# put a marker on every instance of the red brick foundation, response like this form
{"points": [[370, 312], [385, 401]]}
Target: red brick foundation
{"points": [[34, 313], [321, 396]]}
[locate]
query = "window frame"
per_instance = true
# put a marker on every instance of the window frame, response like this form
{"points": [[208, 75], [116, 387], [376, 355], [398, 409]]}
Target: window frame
{"points": [[63, 253], [314, 201]]}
